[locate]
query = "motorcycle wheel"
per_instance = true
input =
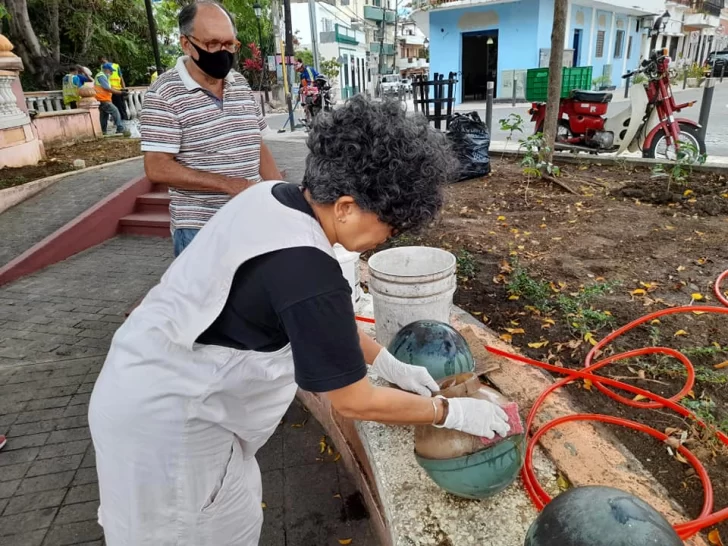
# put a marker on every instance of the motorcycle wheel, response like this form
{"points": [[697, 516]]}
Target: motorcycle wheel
{"points": [[660, 150]]}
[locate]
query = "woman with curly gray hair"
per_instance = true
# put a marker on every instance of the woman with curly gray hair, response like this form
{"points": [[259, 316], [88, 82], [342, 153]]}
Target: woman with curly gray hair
{"points": [[200, 375]]}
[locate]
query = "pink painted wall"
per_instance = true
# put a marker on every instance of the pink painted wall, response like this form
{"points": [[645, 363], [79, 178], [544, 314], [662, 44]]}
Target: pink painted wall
{"points": [[66, 126]]}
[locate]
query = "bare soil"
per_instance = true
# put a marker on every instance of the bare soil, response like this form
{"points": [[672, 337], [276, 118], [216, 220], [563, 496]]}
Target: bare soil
{"points": [[553, 272], [60, 159]]}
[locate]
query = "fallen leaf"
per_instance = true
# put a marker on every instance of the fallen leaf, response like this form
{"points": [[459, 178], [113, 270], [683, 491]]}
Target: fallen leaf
{"points": [[299, 425], [337, 496], [562, 482], [680, 458], [698, 313], [344, 541], [322, 444], [656, 321], [263, 505], [513, 297], [338, 456], [696, 296], [515, 331], [680, 333], [588, 384], [639, 397], [681, 268], [721, 366], [506, 337], [669, 431], [687, 192], [638, 292], [501, 218], [714, 535], [701, 261], [590, 338], [329, 451], [538, 344]]}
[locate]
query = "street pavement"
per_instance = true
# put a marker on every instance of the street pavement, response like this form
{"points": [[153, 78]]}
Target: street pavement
{"points": [[55, 329], [716, 139]]}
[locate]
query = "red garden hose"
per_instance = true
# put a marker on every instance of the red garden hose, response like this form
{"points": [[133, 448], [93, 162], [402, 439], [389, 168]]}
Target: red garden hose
{"points": [[537, 494]]}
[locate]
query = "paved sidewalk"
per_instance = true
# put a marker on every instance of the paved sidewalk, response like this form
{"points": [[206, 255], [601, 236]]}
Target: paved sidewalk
{"points": [[55, 328], [27, 223]]}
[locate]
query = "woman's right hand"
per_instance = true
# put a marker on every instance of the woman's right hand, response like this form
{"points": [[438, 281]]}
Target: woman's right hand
{"points": [[477, 417]]}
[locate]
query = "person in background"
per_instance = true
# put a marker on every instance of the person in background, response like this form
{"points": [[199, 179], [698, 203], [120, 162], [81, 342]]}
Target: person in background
{"points": [[116, 80], [307, 74], [104, 94], [72, 82], [153, 74], [201, 125]]}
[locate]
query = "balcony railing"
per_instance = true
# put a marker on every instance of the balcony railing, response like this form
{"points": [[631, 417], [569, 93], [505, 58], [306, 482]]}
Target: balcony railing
{"points": [[374, 13], [710, 7], [52, 101], [425, 5], [388, 48]]}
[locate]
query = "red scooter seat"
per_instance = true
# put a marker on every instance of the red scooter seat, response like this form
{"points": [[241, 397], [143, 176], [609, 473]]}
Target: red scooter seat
{"points": [[591, 96]]}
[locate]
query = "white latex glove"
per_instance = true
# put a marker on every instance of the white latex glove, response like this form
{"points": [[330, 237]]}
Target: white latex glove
{"points": [[410, 378], [477, 417]]}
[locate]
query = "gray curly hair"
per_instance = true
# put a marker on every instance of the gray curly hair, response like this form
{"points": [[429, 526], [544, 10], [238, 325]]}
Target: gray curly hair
{"points": [[391, 164]]}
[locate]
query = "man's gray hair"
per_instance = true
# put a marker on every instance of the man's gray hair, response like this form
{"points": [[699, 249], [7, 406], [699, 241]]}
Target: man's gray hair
{"points": [[186, 17]]}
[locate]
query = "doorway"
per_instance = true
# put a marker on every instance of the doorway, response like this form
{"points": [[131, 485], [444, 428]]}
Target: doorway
{"points": [[576, 46], [480, 64]]}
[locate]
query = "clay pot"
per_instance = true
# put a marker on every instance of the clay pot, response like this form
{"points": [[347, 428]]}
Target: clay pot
{"points": [[440, 443]]}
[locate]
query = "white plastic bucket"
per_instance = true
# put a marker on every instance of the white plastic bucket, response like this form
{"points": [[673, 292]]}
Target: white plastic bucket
{"points": [[408, 284], [349, 262]]}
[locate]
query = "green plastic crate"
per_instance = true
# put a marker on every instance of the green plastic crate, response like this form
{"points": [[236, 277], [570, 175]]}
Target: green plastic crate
{"points": [[537, 82]]}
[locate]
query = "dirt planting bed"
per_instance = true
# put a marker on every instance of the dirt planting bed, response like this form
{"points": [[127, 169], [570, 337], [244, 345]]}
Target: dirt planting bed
{"points": [[553, 273], [60, 160]]}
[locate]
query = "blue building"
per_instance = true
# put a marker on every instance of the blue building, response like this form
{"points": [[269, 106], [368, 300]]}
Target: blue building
{"points": [[498, 40]]}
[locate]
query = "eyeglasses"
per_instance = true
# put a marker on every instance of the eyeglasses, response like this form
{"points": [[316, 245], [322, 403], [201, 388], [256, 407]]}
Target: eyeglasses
{"points": [[213, 46]]}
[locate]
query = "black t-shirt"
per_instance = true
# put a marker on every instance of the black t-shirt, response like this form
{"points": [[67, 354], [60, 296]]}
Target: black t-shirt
{"points": [[297, 295]]}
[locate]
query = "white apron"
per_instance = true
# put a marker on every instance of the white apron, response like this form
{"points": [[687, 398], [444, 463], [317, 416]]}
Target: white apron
{"points": [[176, 424]]}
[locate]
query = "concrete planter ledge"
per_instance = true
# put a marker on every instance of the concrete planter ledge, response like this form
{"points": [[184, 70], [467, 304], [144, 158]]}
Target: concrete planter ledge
{"points": [[408, 509]]}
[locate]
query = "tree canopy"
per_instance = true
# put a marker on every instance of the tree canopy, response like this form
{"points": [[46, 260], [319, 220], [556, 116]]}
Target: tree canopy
{"points": [[52, 35]]}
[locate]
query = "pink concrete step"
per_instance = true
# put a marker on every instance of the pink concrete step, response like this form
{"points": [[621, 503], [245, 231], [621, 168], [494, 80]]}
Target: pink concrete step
{"points": [[154, 224], [157, 202]]}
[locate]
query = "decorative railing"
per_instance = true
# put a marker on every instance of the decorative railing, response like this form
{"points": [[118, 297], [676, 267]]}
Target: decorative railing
{"points": [[710, 7], [52, 101]]}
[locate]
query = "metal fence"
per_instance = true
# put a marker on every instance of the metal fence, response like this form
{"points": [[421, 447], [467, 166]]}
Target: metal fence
{"points": [[438, 92]]}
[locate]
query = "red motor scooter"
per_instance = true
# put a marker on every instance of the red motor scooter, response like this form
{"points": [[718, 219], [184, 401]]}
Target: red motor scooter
{"points": [[649, 125]]}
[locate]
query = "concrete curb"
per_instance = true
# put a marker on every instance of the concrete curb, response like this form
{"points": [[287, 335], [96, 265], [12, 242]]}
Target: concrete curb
{"points": [[10, 197]]}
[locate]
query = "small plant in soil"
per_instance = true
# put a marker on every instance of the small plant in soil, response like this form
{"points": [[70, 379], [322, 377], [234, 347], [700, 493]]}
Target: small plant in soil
{"points": [[687, 157], [513, 123], [466, 266], [534, 162], [576, 308], [704, 409]]}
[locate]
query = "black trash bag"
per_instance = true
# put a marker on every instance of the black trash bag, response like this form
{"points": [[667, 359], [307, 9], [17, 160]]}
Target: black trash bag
{"points": [[470, 141]]}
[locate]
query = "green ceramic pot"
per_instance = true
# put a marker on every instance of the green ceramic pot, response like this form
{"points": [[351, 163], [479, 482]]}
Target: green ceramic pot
{"points": [[433, 345], [481, 474]]}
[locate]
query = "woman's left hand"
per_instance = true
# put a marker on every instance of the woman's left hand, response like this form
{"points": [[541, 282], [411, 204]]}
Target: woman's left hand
{"points": [[410, 378]]}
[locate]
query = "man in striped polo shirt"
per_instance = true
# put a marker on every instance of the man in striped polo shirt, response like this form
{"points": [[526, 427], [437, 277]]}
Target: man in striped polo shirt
{"points": [[201, 125]]}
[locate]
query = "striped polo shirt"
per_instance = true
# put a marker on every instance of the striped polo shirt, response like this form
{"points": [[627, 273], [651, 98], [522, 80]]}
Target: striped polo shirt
{"points": [[205, 133]]}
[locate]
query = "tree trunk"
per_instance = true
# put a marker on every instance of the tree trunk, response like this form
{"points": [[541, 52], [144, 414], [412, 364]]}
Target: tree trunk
{"points": [[556, 66], [38, 59]]}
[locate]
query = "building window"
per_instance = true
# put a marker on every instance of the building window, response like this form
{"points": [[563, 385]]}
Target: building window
{"points": [[600, 44], [344, 2], [629, 47], [619, 45]]}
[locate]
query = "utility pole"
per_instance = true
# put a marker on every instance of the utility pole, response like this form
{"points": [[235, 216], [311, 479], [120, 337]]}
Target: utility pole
{"points": [[396, 48], [288, 55], [153, 35], [381, 48], [314, 34]]}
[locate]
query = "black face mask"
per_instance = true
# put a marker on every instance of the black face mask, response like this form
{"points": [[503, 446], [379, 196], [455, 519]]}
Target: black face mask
{"points": [[216, 65]]}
